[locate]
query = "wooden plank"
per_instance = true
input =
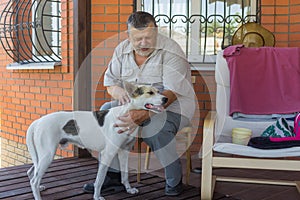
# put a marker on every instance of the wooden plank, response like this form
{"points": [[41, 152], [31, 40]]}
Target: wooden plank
{"points": [[52, 181], [189, 192], [19, 173], [27, 166], [146, 188], [66, 177], [13, 183], [55, 177], [57, 162]]}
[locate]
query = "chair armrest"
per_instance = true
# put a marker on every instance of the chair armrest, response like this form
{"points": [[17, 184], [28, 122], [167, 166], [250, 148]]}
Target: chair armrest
{"points": [[209, 124], [209, 121], [207, 183], [208, 133]]}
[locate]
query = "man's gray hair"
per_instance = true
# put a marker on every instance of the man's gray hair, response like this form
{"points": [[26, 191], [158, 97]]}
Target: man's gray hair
{"points": [[140, 20]]}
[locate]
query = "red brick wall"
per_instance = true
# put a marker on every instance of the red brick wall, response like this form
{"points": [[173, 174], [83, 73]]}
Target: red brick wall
{"points": [[205, 89], [25, 95], [282, 17], [108, 29]]}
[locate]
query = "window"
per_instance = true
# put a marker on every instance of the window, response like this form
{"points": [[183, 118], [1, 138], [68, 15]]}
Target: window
{"points": [[30, 31], [47, 39], [201, 27]]}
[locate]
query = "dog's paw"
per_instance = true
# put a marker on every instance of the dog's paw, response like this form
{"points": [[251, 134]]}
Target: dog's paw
{"points": [[42, 188], [132, 190], [98, 198]]}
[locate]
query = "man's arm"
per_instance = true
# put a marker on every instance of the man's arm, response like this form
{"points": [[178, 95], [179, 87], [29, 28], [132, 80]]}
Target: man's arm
{"points": [[171, 97], [119, 94]]}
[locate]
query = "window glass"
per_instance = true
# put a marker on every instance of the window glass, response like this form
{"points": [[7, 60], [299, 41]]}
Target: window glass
{"points": [[46, 36]]}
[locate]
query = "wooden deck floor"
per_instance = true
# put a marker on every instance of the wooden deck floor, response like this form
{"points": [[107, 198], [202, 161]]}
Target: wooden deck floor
{"points": [[65, 178]]}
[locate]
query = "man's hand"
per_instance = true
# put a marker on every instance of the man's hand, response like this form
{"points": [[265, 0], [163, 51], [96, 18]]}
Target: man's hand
{"points": [[131, 120], [119, 93]]}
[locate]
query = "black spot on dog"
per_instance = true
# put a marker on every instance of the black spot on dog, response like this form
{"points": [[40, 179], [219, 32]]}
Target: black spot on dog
{"points": [[100, 115], [63, 141], [138, 92], [71, 127]]}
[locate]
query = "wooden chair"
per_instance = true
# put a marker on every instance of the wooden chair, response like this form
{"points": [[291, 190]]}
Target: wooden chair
{"points": [[183, 136], [217, 138]]}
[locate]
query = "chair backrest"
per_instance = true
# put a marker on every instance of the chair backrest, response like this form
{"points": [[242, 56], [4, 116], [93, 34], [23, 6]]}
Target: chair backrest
{"points": [[222, 78], [224, 122]]}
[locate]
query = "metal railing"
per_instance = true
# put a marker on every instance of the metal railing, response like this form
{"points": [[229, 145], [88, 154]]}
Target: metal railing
{"points": [[201, 27], [30, 31]]}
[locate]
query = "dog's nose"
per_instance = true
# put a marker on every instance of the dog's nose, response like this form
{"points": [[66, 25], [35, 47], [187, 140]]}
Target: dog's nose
{"points": [[164, 100]]}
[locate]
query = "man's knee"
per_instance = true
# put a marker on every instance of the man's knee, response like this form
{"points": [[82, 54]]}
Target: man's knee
{"points": [[159, 140]]}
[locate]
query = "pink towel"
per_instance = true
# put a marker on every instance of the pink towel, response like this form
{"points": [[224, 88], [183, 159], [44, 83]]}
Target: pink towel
{"points": [[264, 80]]}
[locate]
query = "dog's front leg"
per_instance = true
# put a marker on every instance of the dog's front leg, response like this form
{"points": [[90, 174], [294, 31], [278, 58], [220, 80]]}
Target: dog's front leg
{"points": [[123, 158], [102, 170], [105, 158]]}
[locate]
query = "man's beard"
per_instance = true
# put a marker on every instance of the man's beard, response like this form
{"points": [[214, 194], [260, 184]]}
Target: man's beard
{"points": [[144, 53]]}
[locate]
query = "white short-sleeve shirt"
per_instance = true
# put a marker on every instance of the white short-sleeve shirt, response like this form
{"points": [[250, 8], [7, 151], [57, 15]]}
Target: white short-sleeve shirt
{"points": [[166, 68]]}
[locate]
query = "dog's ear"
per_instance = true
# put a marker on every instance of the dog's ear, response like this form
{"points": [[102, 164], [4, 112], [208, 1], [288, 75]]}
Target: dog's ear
{"points": [[130, 88]]}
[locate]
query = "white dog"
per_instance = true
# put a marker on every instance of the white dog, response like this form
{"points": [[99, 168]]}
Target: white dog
{"points": [[91, 130]]}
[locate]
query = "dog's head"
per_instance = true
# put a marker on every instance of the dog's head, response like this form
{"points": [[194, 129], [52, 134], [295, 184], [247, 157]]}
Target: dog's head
{"points": [[145, 97]]}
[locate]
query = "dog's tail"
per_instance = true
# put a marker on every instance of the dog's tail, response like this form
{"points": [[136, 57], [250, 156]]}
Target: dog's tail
{"points": [[31, 146]]}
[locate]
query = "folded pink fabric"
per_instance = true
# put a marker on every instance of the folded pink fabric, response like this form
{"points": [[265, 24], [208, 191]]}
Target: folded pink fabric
{"points": [[264, 80]]}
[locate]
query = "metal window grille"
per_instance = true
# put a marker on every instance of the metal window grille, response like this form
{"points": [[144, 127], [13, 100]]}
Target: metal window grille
{"points": [[201, 27], [30, 31]]}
